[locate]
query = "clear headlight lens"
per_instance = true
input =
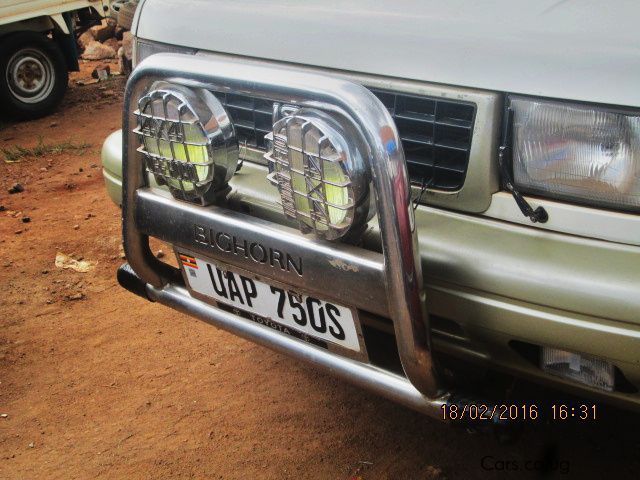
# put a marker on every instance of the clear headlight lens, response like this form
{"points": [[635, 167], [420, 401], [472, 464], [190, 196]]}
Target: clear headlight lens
{"points": [[577, 152], [145, 48]]}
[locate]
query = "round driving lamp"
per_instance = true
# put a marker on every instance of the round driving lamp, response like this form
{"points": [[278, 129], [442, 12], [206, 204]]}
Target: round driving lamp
{"points": [[317, 165], [187, 141]]}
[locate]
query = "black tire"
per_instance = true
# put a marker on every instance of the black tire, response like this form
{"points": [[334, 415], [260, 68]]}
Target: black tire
{"points": [[43, 62]]}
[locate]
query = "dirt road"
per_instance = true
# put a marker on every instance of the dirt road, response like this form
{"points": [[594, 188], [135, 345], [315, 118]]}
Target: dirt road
{"points": [[97, 383]]}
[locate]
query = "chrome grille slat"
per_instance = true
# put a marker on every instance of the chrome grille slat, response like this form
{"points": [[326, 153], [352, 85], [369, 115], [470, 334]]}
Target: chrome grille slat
{"points": [[251, 117]]}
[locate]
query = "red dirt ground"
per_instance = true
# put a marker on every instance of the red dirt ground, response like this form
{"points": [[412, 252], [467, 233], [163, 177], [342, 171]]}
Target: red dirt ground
{"points": [[111, 386]]}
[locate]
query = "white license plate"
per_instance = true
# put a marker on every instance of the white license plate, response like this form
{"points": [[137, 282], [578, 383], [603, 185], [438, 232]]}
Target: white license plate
{"points": [[296, 314]]}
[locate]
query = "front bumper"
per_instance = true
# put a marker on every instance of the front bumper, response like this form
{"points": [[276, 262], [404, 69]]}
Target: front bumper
{"points": [[112, 166], [492, 296]]}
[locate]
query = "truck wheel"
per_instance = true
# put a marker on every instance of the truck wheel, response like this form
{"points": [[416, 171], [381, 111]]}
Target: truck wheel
{"points": [[33, 75]]}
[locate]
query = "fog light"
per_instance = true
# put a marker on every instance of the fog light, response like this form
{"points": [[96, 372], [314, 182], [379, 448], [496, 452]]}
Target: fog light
{"points": [[320, 174], [585, 369], [187, 141]]}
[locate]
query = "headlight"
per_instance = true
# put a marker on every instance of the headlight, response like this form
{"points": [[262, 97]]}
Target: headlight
{"points": [[319, 173], [187, 141], [143, 48], [576, 152]]}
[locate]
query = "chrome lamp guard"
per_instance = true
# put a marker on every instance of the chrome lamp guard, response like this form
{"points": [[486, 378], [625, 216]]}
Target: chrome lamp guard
{"points": [[401, 268]]}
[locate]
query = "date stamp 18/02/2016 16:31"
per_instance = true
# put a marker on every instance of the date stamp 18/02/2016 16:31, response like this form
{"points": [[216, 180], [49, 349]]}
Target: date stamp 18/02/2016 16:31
{"points": [[518, 411]]}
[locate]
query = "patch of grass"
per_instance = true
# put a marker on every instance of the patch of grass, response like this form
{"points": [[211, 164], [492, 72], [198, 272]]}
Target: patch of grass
{"points": [[18, 153]]}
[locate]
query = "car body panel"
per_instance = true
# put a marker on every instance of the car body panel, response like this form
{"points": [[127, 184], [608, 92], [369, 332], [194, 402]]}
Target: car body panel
{"points": [[571, 50]]}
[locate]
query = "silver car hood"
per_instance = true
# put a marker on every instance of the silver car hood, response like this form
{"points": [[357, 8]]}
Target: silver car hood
{"points": [[581, 49]]}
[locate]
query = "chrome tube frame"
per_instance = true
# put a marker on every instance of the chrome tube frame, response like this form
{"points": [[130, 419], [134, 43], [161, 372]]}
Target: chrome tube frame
{"points": [[357, 275], [352, 102], [389, 385]]}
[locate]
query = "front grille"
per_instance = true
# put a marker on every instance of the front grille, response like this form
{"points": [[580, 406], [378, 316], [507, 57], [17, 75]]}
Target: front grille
{"points": [[251, 118], [435, 133], [436, 137]]}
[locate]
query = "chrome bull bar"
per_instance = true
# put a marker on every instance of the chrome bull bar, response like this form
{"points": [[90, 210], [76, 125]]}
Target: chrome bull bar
{"points": [[390, 283]]}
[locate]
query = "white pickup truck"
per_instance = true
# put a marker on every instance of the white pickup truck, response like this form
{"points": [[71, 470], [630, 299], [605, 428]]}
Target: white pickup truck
{"points": [[412, 195], [37, 49]]}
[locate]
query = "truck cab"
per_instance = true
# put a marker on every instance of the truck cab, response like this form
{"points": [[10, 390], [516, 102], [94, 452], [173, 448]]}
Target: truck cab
{"points": [[38, 49]]}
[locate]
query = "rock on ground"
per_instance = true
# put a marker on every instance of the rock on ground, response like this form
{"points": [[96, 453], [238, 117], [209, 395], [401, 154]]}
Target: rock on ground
{"points": [[98, 51], [127, 45], [85, 39], [113, 43], [101, 72], [103, 31]]}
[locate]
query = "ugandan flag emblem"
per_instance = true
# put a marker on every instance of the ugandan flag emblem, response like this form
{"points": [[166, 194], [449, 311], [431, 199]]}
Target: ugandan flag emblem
{"points": [[188, 261]]}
